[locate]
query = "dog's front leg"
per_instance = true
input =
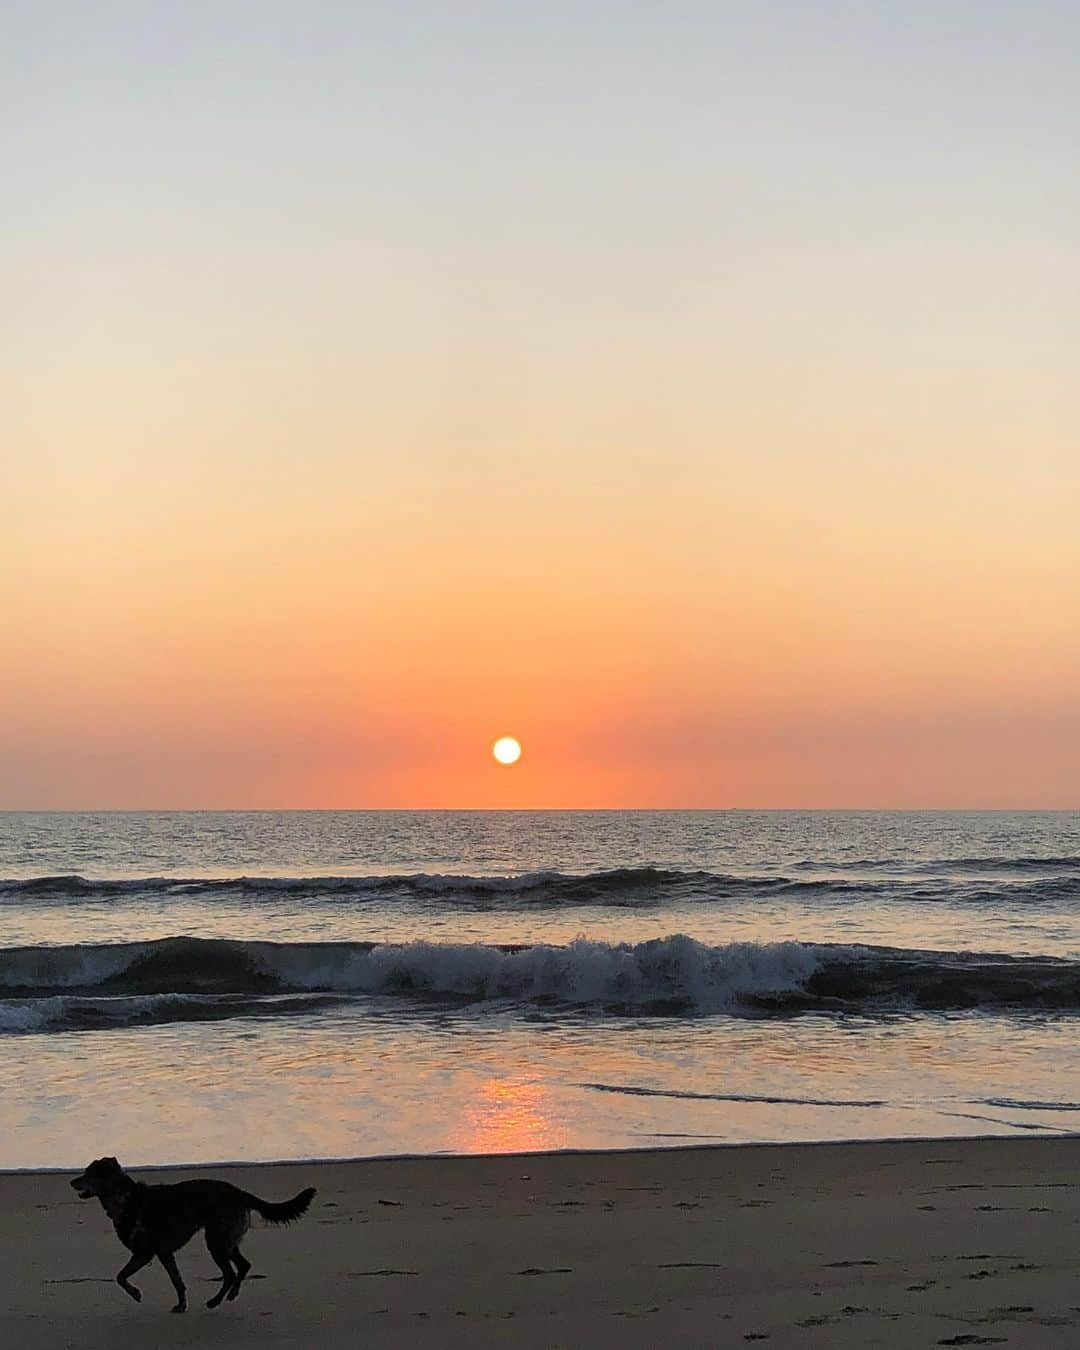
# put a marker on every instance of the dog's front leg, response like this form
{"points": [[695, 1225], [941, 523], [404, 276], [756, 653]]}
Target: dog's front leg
{"points": [[173, 1271], [140, 1259]]}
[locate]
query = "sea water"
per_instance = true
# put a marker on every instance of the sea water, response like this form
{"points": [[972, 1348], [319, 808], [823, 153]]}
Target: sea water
{"points": [[198, 986]]}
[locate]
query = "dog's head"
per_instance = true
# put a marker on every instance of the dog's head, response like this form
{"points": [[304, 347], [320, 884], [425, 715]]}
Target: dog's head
{"points": [[100, 1178]]}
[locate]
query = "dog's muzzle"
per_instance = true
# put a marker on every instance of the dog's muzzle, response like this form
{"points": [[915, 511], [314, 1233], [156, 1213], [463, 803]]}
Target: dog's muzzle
{"points": [[81, 1189]]}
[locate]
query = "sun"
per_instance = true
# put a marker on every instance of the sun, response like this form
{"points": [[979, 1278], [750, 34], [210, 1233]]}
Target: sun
{"points": [[507, 750]]}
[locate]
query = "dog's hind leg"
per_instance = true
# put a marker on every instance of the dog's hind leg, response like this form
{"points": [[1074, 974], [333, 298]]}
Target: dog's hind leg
{"points": [[219, 1250], [173, 1271], [139, 1259], [243, 1265]]}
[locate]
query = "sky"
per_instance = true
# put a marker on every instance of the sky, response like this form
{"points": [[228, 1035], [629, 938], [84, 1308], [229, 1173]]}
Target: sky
{"points": [[689, 390]]}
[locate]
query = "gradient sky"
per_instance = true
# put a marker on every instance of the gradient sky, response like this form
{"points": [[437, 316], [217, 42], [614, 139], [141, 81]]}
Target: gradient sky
{"points": [[691, 390]]}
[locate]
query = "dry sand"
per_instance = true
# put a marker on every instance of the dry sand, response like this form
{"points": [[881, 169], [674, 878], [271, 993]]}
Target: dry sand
{"points": [[868, 1245]]}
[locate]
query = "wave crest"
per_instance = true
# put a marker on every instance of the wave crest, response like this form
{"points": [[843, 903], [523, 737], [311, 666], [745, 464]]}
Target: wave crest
{"points": [[676, 969], [622, 887], [110, 984]]}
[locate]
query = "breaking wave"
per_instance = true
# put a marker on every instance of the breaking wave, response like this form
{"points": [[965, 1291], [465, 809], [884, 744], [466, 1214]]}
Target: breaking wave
{"points": [[1029, 881], [186, 978], [621, 885]]}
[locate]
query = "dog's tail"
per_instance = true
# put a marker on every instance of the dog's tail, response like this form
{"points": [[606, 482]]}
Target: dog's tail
{"points": [[288, 1211]]}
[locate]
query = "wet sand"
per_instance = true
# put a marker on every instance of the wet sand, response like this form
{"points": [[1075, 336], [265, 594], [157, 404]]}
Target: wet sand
{"points": [[955, 1242]]}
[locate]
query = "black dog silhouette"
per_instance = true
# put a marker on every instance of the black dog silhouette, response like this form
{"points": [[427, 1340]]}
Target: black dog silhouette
{"points": [[157, 1220]]}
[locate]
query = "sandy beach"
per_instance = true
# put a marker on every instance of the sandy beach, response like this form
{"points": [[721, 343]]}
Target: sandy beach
{"points": [[951, 1242]]}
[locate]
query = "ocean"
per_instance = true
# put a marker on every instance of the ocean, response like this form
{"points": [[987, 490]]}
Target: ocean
{"points": [[180, 987]]}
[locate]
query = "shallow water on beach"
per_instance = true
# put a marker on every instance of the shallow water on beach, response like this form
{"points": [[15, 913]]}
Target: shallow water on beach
{"points": [[207, 986]]}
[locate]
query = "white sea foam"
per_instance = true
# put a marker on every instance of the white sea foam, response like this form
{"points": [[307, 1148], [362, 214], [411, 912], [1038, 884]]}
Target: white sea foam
{"points": [[675, 969]]}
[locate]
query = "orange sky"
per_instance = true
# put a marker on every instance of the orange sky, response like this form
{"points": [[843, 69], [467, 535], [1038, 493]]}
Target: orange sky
{"points": [[716, 439]]}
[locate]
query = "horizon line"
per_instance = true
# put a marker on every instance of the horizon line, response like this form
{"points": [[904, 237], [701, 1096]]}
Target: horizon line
{"points": [[533, 810]]}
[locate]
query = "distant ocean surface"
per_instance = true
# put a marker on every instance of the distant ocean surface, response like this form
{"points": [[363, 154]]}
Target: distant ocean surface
{"points": [[189, 986]]}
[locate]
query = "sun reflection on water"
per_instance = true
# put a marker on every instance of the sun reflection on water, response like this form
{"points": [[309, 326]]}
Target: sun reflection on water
{"points": [[509, 1115]]}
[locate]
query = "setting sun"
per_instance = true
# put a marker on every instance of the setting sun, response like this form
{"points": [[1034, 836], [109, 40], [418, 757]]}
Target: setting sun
{"points": [[507, 750]]}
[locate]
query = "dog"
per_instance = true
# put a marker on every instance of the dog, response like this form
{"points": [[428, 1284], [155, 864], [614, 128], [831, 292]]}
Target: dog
{"points": [[157, 1220]]}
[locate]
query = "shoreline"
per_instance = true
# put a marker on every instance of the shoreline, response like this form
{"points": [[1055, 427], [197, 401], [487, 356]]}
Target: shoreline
{"points": [[896, 1243], [1042, 1134]]}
